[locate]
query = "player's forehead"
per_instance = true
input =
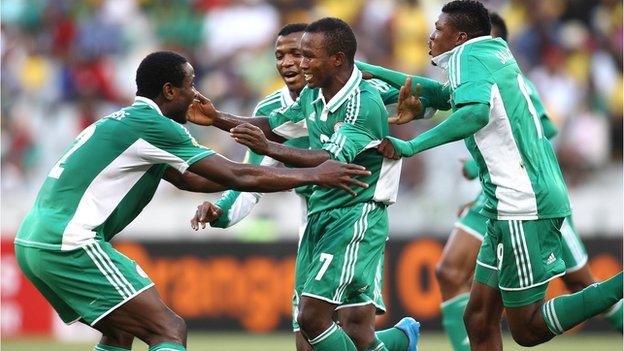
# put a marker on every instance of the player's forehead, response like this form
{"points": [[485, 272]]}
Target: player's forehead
{"points": [[288, 41], [312, 41], [189, 71], [443, 20]]}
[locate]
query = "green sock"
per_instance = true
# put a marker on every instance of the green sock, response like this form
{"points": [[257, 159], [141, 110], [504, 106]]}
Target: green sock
{"points": [[378, 345], [167, 346], [102, 347], [453, 321], [393, 338], [614, 316], [565, 312], [332, 339]]}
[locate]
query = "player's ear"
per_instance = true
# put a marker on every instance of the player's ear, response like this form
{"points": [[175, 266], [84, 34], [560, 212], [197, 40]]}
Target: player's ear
{"points": [[462, 37], [339, 59], [168, 91]]}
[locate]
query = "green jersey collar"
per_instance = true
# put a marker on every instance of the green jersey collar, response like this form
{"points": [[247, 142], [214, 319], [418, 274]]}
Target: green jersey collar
{"points": [[442, 60], [140, 100], [343, 94]]}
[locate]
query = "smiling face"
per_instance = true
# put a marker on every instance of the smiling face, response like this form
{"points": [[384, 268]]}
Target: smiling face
{"points": [[287, 60], [317, 65], [181, 97], [444, 37]]}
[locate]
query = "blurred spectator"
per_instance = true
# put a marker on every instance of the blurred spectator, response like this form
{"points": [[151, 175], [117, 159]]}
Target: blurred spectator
{"points": [[66, 63]]}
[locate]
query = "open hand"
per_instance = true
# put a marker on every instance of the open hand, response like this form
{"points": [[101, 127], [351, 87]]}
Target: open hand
{"points": [[335, 174], [202, 111], [409, 106], [206, 213], [250, 136]]}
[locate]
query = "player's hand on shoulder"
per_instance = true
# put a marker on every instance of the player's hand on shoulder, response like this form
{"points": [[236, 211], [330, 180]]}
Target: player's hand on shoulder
{"points": [[202, 111], [250, 136], [206, 212], [335, 174], [409, 106]]}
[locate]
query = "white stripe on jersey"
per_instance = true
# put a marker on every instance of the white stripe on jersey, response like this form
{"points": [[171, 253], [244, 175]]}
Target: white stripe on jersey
{"points": [[496, 143]]}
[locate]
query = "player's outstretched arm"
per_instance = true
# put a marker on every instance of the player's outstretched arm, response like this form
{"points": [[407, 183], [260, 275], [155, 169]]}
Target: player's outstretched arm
{"points": [[203, 112], [191, 182], [246, 177], [436, 94], [252, 137], [464, 122]]}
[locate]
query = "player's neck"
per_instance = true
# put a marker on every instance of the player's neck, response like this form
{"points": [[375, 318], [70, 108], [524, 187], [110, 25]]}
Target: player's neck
{"points": [[337, 82]]}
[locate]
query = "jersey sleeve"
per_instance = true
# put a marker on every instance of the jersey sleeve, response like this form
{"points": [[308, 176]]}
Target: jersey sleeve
{"points": [[358, 132], [168, 142], [290, 122], [470, 80]]}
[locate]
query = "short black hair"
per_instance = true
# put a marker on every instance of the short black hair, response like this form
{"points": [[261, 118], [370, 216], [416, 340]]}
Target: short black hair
{"points": [[339, 36], [157, 69], [498, 22], [292, 28], [469, 16]]}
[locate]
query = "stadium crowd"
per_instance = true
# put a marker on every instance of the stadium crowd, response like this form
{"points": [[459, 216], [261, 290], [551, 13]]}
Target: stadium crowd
{"points": [[67, 63]]}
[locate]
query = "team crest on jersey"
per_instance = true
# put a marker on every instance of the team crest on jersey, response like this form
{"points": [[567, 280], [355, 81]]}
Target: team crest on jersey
{"points": [[337, 126]]}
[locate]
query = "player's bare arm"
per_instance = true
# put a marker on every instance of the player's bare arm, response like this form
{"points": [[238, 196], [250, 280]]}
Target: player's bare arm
{"points": [[203, 112], [252, 137], [191, 182], [247, 177]]}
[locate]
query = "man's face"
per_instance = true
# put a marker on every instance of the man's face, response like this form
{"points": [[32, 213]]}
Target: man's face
{"points": [[183, 96], [444, 37], [317, 65], [287, 60]]}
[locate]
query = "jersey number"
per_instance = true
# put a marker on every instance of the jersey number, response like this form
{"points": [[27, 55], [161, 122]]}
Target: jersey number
{"points": [[326, 259], [82, 138]]}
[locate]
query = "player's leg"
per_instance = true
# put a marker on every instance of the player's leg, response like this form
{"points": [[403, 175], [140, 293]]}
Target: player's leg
{"points": [[318, 327], [358, 321], [148, 318], [454, 271], [532, 256], [578, 275], [344, 266], [484, 309], [114, 340]]}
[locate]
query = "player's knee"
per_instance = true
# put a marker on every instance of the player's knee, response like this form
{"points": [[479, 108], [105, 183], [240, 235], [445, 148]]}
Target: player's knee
{"points": [[310, 323], [173, 330], [449, 276]]}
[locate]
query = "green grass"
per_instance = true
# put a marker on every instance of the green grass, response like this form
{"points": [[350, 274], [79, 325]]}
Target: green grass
{"points": [[284, 342]]}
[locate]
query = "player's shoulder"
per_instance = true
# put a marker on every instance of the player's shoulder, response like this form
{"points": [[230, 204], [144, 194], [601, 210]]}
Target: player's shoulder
{"points": [[269, 102], [368, 92]]}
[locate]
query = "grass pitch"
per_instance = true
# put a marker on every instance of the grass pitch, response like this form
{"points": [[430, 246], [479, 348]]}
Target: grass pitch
{"points": [[284, 342]]}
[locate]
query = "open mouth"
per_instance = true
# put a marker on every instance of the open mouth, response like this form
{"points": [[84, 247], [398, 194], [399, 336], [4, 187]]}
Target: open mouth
{"points": [[290, 75]]}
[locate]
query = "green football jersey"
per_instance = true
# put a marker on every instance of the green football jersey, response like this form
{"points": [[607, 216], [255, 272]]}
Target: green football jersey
{"points": [[518, 169], [237, 205], [349, 127], [107, 176]]}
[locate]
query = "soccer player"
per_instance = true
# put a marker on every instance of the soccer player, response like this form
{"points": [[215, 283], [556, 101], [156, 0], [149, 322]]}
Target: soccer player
{"points": [[104, 180], [457, 263], [339, 258], [525, 196]]}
